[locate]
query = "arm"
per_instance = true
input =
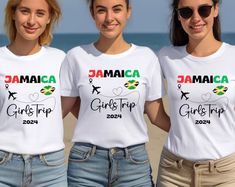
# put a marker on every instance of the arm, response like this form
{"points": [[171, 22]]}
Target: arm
{"points": [[68, 105], [76, 107], [157, 115]]}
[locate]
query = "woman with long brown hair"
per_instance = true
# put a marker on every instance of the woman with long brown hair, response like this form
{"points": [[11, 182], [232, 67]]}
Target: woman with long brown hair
{"points": [[200, 148], [114, 82]]}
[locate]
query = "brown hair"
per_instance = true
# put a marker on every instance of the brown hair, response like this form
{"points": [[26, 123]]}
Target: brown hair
{"points": [[91, 2], [178, 36], [46, 36]]}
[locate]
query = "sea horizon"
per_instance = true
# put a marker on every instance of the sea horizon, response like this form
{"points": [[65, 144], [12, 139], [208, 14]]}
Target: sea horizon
{"points": [[155, 41]]}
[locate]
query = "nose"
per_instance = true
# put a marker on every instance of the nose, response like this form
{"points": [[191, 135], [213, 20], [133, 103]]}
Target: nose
{"points": [[196, 16], [109, 16], [31, 19]]}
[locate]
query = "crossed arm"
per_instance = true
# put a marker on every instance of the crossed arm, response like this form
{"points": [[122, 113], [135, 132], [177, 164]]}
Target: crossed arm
{"points": [[70, 104], [157, 115]]}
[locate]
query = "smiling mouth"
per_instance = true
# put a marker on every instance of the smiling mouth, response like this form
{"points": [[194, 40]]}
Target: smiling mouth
{"points": [[197, 28], [110, 27], [30, 30]]}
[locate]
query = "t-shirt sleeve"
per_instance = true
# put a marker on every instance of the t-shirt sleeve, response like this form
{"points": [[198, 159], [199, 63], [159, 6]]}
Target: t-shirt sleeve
{"points": [[160, 55], [156, 88], [68, 79]]}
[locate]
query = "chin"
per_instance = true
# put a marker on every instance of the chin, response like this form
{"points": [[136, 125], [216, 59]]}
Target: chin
{"points": [[197, 34], [110, 35]]}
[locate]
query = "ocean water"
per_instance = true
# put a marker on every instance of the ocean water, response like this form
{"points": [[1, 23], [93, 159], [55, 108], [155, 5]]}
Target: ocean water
{"points": [[153, 40]]}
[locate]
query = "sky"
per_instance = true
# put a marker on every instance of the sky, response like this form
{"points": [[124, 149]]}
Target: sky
{"points": [[148, 16]]}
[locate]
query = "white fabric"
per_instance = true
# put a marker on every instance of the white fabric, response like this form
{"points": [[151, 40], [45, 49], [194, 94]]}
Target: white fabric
{"points": [[112, 115], [203, 120], [30, 117]]}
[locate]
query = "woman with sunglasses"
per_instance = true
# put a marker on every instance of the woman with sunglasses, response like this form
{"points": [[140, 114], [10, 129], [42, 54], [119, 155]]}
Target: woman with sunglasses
{"points": [[199, 69], [115, 82], [31, 126]]}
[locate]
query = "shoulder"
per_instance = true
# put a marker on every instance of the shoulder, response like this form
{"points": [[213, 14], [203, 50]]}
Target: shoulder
{"points": [[146, 58], [144, 49], [226, 51], [229, 46], [6, 54], [169, 49], [144, 53], [54, 51], [77, 55], [4, 50], [172, 52], [80, 50]]}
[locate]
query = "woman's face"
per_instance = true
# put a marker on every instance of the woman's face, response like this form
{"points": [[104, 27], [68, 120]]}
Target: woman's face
{"points": [[200, 24], [110, 17], [31, 19]]}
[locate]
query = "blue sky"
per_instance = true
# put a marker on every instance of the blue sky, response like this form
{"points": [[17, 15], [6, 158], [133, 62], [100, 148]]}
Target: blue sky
{"points": [[148, 16]]}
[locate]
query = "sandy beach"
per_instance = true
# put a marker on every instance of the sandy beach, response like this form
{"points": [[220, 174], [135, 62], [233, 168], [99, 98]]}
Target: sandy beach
{"points": [[154, 146]]}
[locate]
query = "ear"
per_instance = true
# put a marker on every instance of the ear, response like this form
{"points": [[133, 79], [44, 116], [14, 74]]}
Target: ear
{"points": [[178, 16], [216, 10], [49, 20], [129, 11], [92, 13]]}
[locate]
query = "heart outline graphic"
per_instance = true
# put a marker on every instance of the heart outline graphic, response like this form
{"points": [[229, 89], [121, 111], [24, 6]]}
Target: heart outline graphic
{"points": [[34, 97], [117, 91], [206, 96]]}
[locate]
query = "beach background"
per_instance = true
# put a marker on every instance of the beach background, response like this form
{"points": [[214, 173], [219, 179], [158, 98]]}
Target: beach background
{"points": [[155, 41]]}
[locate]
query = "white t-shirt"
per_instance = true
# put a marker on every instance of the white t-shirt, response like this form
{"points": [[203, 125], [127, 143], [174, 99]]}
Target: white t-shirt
{"points": [[30, 106], [202, 102], [113, 90]]}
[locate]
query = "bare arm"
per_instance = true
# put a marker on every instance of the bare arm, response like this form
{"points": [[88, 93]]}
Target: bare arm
{"points": [[68, 105], [76, 107], [157, 115]]}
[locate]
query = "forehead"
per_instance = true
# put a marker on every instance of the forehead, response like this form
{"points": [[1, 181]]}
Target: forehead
{"points": [[194, 3], [109, 3], [34, 5]]}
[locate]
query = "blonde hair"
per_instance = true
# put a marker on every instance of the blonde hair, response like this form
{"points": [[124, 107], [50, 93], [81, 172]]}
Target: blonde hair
{"points": [[46, 37]]}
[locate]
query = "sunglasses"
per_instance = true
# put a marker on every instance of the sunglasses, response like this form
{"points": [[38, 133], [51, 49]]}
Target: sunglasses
{"points": [[186, 12]]}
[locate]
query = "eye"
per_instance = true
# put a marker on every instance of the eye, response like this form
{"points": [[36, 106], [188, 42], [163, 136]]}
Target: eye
{"points": [[40, 14], [24, 11], [185, 12], [117, 10], [100, 10]]}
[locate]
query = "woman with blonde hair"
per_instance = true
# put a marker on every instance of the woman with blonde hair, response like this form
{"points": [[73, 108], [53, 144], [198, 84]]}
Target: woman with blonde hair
{"points": [[31, 130]]}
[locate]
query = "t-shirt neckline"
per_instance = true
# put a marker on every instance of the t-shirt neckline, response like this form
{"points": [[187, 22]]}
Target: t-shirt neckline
{"points": [[24, 57], [206, 58], [119, 55]]}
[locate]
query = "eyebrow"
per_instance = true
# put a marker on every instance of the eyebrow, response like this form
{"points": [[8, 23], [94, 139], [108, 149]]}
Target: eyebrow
{"points": [[119, 5], [23, 7], [205, 4], [115, 6]]}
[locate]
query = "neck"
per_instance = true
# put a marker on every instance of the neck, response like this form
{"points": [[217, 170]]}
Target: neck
{"points": [[24, 48], [112, 46], [204, 47]]}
